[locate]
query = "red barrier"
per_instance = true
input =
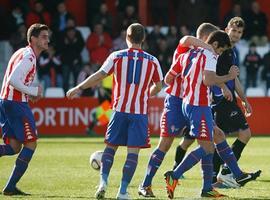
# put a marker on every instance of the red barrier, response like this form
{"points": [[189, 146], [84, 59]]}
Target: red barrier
{"points": [[72, 117]]}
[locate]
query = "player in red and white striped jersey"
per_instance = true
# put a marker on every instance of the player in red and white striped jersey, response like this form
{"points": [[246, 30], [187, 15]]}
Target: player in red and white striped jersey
{"points": [[19, 75], [136, 76], [17, 120], [172, 120], [197, 68]]}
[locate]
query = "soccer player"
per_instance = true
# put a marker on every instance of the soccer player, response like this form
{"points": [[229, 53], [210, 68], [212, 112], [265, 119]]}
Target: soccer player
{"points": [[198, 70], [136, 76], [172, 121], [17, 120], [224, 119]]}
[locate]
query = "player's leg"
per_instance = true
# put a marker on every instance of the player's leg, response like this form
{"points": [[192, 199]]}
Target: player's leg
{"points": [[225, 154], [137, 137], [181, 149], [235, 121], [24, 128], [115, 137], [21, 165], [154, 163], [13, 147], [128, 172]]}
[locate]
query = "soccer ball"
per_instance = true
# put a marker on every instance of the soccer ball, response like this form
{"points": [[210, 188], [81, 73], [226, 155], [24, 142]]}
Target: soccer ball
{"points": [[95, 160]]}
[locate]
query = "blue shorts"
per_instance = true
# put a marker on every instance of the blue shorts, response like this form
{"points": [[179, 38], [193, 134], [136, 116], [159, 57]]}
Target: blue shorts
{"points": [[172, 120], [126, 129], [200, 120], [17, 121]]}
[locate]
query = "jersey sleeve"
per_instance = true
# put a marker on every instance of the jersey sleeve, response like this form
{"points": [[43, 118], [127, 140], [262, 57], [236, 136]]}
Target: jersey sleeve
{"points": [[18, 76], [108, 65], [175, 68], [210, 61], [157, 76]]}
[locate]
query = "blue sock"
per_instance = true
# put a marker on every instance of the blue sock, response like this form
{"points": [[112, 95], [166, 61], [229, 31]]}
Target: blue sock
{"points": [[106, 163], [6, 150], [20, 167], [153, 165], [227, 155], [191, 159], [128, 171], [207, 170]]}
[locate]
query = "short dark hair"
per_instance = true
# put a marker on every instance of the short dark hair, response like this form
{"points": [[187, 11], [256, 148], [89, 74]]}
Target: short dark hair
{"points": [[136, 33], [205, 29], [236, 21], [35, 29], [221, 37]]}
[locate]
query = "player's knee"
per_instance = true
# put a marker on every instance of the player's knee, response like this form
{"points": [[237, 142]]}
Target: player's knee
{"points": [[17, 149], [245, 135], [219, 135], [186, 143], [31, 145], [165, 144]]}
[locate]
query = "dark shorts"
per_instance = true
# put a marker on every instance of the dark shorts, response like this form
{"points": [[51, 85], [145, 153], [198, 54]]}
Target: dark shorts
{"points": [[17, 121], [129, 130], [172, 120], [229, 117]]}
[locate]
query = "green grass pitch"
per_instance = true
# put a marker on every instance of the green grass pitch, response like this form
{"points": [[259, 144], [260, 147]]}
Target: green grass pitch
{"points": [[60, 170]]}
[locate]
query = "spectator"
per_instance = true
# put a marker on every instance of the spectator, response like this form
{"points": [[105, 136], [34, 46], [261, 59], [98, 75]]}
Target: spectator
{"points": [[50, 68], [59, 21], [15, 19], [195, 12], [104, 18], [153, 38], [71, 45], [163, 55], [18, 39], [98, 44], [120, 41], [128, 17], [160, 12], [252, 63], [266, 70], [173, 37], [38, 15], [84, 73], [256, 21], [236, 11]]}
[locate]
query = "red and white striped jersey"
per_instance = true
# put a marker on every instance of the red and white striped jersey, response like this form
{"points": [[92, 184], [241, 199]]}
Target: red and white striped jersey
{"points": [[134, 70], [19, 75], [194, 62], [175, 87]]}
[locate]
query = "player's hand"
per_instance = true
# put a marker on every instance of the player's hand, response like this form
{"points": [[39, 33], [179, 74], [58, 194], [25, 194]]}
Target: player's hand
{"points": [[227, 94], [247, 108], [73, 92], [40, 92], [234, 72], [33, 98]]}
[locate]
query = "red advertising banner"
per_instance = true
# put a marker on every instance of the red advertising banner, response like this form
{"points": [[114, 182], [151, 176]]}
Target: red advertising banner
{"points": [[72, 117]]}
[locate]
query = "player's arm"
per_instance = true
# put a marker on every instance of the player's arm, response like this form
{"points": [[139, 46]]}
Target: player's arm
{"points": [[91, 81], [225, 91], [211, 78], [155, 88], [175, 69], [188, 41], [239, 90], [18, 76]]}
